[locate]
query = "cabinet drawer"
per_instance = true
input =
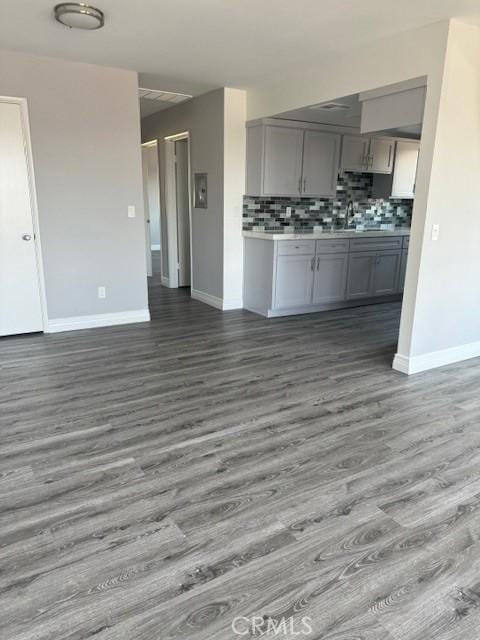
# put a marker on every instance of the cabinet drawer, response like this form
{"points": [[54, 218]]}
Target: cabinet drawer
{"points": [[376, 244], [406, 242], [296, 247], [333, 246]]}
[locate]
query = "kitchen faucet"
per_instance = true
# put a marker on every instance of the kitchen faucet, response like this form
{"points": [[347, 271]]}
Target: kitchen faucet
{"points": [[349, 213]]}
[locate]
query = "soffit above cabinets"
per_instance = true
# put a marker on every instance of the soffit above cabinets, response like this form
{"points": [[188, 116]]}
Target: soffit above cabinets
{"points": [[397, 109], [343, 112]]}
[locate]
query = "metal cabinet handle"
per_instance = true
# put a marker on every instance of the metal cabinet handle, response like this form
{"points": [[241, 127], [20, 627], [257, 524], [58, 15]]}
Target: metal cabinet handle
{"points": [[318, 263], [299, 185], [312, 264], [304, 185]]}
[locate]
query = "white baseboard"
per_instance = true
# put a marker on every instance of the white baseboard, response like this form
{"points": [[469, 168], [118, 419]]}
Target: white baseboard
{"points": [[214, 301], [233, 303], [102, 320], [207, 298], [436, 359]]}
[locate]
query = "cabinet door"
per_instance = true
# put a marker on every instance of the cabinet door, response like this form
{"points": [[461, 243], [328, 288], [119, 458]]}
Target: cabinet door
{"points": [[405, 171], [403, 271], [354, 153], [282, 161], [294, 280], [361, 267], [330, 278], [387, 267], [381, 155], [320, 163]]}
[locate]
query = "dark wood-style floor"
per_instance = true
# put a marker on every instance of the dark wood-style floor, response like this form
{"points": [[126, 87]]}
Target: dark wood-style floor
{"points": [[158, 480]]}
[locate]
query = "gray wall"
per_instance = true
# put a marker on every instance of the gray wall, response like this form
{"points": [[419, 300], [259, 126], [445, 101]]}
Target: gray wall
{"points": [[203, 117], [85, 131]]}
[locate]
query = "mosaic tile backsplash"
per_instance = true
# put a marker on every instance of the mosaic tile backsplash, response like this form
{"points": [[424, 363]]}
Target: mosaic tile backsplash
{"points": [[316, 214]]}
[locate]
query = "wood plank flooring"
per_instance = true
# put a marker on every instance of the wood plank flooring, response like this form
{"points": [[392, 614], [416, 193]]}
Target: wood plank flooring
{"points": [[158, 480]]}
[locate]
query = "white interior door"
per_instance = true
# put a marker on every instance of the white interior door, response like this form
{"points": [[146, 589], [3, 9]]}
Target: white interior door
{"points": [[183, 212], [20, 302], [146, 208]]}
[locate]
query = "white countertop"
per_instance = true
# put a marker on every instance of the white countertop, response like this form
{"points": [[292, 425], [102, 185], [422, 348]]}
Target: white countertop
{"points": [[324, 235]]}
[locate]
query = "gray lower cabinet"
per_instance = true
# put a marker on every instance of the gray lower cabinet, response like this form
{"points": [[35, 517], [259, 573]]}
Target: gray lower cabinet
{"points": [[403, 270], [330, 278], [387, 269], [373, 273], [361, 266], [286, 277], [294, 281]]}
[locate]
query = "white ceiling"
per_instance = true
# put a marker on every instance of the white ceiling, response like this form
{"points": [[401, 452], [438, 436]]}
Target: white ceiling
{"points": [[191, 46]]}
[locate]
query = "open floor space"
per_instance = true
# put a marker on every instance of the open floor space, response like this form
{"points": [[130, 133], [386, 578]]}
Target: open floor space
{"points": [[168, 479]]}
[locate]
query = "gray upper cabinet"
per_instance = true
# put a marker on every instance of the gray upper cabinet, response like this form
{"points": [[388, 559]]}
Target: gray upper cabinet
{"points": [[372, 155], [354, 153], [282, 161], [291, 161], [330, 278], [401, 183], [321, 153], [381, 155], [405, 171]]}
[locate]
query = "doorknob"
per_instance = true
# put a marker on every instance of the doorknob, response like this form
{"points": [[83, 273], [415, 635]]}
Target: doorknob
{"points": [[26, 237]]}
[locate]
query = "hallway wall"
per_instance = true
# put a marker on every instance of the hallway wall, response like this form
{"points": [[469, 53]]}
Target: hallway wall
{"points": [[85, 132], [203, 118]]}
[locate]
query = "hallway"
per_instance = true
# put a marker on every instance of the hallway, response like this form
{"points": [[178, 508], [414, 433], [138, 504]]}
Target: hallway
{"points": [[160, 479]]}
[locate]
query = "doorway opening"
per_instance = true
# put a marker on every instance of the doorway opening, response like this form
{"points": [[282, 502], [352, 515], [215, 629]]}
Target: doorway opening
{"points": [[22, 289], [343, 173], [178, 210], [151, 197]]}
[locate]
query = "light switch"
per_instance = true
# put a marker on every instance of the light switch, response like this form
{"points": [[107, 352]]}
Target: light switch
{"points": [[435, 232], [131, 211]]}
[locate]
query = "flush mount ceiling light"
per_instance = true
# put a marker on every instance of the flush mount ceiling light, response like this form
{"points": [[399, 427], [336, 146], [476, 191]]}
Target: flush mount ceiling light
{"points": [[78, 15]]}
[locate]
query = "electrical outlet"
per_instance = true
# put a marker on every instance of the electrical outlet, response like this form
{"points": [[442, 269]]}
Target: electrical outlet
{"points": [[435, 232], [288, 212], [131, 211], [102, 292]]}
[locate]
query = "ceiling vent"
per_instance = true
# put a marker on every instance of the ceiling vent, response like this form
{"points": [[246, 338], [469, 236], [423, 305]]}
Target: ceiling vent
{"points": [[331, 106], [163, 96]]}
